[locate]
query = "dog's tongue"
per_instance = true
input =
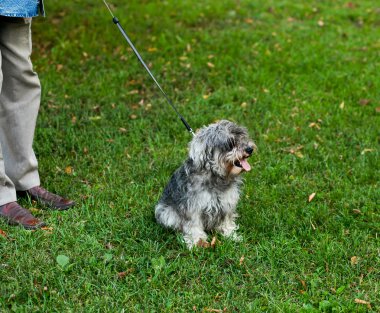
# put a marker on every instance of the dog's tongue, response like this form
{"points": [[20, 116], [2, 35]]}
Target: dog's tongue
{"points": [[245, 165]]}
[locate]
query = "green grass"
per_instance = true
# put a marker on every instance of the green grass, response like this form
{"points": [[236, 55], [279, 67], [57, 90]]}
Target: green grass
{"points": [[298, 74]]}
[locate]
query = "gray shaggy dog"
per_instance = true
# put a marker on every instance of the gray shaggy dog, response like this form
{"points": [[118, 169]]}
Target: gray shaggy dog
{"points": [[203, 193]]}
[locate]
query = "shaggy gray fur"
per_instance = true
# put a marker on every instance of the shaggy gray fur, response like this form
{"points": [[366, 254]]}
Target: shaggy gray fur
{"points": [[203, 193]]}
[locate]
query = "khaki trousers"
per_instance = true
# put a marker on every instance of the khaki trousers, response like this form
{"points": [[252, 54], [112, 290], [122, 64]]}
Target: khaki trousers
{"points": [[20, 94]]}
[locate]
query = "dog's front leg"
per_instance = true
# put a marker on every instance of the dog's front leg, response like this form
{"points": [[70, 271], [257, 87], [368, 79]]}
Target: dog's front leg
{"points": [[228, 228], [193, 233]]}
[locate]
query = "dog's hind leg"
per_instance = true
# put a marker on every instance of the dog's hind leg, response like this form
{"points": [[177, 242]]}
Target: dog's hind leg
{"points": [[167, 216]]}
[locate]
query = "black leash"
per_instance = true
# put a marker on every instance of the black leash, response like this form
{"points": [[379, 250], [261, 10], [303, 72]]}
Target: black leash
{"points": [[116, 21]]}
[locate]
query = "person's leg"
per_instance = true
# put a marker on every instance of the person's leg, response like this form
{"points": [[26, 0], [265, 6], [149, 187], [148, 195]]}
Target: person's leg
{"points": [[7, 189], [10, 210], [20, 100]]}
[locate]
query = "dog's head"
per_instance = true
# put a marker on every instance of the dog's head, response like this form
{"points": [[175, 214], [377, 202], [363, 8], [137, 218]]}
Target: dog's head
{"points": [[222, 148]]}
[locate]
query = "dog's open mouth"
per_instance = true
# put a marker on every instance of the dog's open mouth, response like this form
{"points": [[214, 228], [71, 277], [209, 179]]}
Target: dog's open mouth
{"points": [[243, 164]]}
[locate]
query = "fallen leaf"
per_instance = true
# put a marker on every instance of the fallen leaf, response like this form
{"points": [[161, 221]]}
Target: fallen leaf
{"points": [[321, 23], [359, 301], [69, 170], [248, 21], [210, 65], [122, 130], [213, 242], [133, 116], [96, 108], [377, 110], [350, 5], [109, 246], [3, 233], [121, 274], [243, 105], [152, 49], [59, 67], [216, 310], [241, 260], [133, 92], [364, 102], [357, 211], [303, 283], [47, 228], [95, 118], [314, 125], [206, 96], [341, 106], [311, 197], [354, 260], [367, 150]]}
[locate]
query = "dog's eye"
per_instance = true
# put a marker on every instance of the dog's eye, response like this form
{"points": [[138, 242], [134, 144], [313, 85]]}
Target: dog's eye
{"points": [[230, 145]]}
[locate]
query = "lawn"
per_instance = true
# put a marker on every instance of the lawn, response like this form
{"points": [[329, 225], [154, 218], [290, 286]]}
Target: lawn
{"points": [[302, 76]]}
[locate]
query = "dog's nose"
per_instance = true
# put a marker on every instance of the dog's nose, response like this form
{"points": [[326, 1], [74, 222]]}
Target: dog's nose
{"points": [[249, 150]]}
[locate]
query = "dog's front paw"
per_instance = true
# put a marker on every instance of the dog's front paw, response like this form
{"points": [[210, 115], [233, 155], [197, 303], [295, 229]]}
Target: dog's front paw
{"points": [[235, 237], [192, 242], [203, 243]]}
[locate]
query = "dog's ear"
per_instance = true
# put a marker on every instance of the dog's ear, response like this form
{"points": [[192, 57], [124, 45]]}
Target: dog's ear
{"points": [[197, 148]]}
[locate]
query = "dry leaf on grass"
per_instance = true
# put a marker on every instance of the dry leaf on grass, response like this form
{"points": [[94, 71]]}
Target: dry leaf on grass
{"points": [[109, 246], [364, 102], [295, 151], [311, 197], [133, 92], [354, 260], [315, 125], [366, 151], [215, 310], [213, 242], [3, 233], [359, 301], [69, 170]]}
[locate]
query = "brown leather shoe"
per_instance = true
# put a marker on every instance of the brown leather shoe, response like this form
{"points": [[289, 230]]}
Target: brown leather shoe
{"points": [[16, 214], [48, 199]]}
